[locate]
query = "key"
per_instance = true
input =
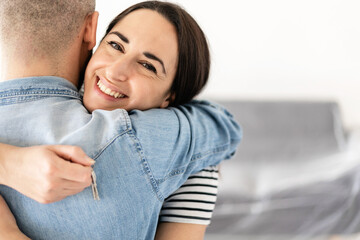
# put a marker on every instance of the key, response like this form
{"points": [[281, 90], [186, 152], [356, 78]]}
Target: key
{"points": [[94, 187]]}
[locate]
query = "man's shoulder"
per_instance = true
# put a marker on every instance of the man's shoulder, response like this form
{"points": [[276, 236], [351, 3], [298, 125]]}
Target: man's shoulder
{"points": [[49, 110]]}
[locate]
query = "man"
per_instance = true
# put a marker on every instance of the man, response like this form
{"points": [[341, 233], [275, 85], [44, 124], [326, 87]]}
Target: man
{"points": [[45, 178], [135, 172]]}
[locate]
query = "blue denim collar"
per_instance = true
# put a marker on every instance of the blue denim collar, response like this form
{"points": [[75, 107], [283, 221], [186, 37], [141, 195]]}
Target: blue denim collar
{"points": [[43, 85]]}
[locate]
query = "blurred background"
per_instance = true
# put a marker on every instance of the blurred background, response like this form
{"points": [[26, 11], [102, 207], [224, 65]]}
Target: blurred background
{"points": [[289, 71], [278, 49]]}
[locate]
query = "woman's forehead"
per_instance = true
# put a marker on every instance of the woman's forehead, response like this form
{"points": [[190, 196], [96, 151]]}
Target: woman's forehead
{"points": [[149, 31]]}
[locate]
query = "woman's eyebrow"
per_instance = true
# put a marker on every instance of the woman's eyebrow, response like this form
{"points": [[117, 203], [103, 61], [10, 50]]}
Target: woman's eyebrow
{"points": [[146, 54], [153, 57], [121, 36]]}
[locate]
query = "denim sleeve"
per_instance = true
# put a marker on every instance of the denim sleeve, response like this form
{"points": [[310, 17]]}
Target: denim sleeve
{"points": [[178, 142]]}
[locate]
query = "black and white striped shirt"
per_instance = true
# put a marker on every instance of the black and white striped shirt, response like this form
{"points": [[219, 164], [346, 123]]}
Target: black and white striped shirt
{"points": [[194, 201]]}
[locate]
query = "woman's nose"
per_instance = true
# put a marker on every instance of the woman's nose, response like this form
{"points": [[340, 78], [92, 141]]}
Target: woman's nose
{"points": [[119, 70]]}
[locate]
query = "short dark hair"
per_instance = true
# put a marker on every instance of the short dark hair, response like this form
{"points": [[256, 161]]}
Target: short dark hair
{"points": [[49, 26], [194, 56]]}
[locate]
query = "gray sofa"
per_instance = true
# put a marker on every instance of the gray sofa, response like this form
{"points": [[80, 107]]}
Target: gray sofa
{"points": [[294, 176]]}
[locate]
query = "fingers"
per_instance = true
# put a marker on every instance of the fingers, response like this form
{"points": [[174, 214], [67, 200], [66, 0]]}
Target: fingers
{"points": [[72, 153], [54, 197], [70, 189], [61, 162], [74, 186], [78, 165], [48, 173], [56, 191], [71, 172], [74, 172]]}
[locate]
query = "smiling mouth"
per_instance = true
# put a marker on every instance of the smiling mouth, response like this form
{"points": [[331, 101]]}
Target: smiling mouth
{"points": [[109, 92]]}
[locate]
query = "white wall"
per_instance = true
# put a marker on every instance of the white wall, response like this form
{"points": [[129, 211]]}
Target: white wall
{"points": [[277, 49]]}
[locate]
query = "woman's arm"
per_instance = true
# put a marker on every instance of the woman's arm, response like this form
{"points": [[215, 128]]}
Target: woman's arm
{"points": [[8, 227], [187, 212], [180, 231], [45, 173]]}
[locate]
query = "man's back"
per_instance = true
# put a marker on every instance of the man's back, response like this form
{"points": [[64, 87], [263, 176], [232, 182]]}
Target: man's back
{"points": [[141, 158]]}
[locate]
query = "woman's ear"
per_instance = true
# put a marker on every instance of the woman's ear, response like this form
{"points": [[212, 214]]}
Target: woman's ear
{"points": [[90, 29], [169, 99]]}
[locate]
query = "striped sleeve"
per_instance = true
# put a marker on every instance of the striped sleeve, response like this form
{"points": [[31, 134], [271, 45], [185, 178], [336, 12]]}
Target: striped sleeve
{"points": [[194, 201]]}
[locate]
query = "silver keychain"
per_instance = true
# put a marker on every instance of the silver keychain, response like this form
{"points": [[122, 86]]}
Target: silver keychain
{"points": [[94, 187]]}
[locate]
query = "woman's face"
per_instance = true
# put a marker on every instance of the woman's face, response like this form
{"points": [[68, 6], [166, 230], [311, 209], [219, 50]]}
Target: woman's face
{"points": [[134, 66]]}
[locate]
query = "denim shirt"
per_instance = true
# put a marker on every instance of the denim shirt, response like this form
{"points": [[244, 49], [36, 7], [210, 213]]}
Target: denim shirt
{"points": [[141, 157]]}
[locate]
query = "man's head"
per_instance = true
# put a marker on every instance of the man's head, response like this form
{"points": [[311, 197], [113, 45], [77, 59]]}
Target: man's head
{"points": [[42, 29]]}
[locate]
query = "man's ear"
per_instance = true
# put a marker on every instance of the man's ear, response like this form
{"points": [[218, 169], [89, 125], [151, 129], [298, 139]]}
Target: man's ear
{"points": [[90, 29], [169, 99]]}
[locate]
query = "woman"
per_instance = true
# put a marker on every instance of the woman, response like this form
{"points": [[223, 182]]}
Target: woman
{"points": [[153, 55]]}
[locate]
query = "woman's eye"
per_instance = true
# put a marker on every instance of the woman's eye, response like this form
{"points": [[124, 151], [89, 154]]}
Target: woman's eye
{"points": [[116, 46], [149, 67]]}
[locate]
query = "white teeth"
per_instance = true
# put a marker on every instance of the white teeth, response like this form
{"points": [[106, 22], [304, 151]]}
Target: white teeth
{"points": [[108, 91]]}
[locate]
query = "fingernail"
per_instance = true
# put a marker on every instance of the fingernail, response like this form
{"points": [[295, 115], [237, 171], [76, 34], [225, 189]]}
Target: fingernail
{"points": [[91, 161]]}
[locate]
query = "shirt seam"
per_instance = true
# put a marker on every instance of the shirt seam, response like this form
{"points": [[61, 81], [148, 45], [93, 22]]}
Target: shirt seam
{"points": [[36, 91], [23, 96], [146, 166], [122, 132], [196, 157]]}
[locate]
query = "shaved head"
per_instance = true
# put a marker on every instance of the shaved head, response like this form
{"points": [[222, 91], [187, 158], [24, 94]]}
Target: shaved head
{"points": [[46, 27]]}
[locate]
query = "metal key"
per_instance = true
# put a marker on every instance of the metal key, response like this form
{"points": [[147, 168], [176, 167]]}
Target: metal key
{"points": [[94, 187]]}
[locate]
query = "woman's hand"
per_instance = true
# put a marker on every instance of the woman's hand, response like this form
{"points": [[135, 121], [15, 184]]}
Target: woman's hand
{"points": [[8, 227], [46, 173]]}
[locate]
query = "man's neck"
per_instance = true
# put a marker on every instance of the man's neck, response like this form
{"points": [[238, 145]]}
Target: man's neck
{"points": [[19, 65], [18, 68]]}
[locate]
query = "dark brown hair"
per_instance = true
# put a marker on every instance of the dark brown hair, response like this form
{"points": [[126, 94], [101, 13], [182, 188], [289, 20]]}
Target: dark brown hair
{"points": [[194, 56]]}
